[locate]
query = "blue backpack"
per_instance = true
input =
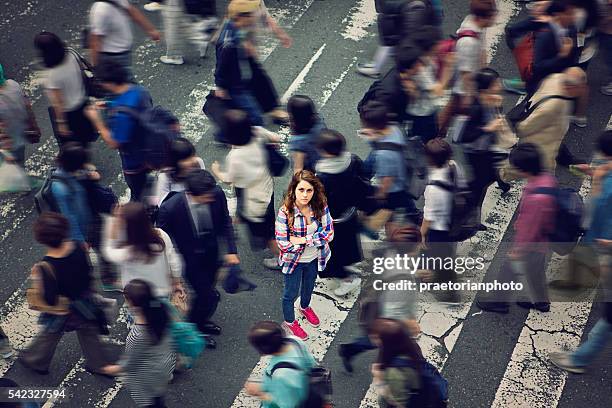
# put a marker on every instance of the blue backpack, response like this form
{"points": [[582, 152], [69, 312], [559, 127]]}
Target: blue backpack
{"points": [[156, 128], [568, 218], [434, 390]]}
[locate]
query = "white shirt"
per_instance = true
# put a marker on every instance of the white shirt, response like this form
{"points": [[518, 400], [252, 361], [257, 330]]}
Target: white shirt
{"points": [[247, 168], [67, 78], [469, 52], [158, 272], [439, 201], [166, 185], [113, 25]]}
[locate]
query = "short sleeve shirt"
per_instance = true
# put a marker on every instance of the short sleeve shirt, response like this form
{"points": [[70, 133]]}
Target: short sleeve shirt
{"points": [[13, 113], [67, 78], [113, 24], [123, 130], [389, 163]]}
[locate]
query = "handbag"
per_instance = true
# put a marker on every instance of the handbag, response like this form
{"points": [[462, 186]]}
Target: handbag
{"points": [[214, 108], [277, 163], [35, 293]]}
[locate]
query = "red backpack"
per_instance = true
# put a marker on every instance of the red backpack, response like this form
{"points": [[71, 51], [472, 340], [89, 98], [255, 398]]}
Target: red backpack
{"points": [[449, 45]]}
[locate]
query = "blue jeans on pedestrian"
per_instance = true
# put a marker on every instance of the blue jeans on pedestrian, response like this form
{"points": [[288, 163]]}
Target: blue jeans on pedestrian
{"points": [[598, 337], [244, 100], [302, 280]]}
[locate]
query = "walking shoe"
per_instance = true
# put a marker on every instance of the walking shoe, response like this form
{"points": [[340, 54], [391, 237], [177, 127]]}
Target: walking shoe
{"points": [[153, 6], [543, 307], [495, 307], [347, 287], [346, 356], [172, 60], [210, 328], [514, 85], [607, 89], [6, 351], [296, 330], [310, 316], [579, 121], [368, 69], [272, 263], [564, 361], [279, 116]]}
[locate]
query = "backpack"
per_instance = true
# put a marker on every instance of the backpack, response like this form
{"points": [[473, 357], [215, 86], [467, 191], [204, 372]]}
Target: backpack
{"points": [[414, 183], [464, 216], [396, 18], [568, 218], [90, 82], [319, 380], [524, 109], [434, 390], [155, 129], [44, 200]]}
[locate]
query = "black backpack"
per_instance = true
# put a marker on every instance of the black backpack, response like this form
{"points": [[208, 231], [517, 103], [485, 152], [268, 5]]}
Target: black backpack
{"points": [[320, 381], [464, 216], [90, 82], [44, 200], [524, 109]]}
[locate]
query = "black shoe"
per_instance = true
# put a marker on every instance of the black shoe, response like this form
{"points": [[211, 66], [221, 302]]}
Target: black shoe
{"points": [[210, 342], [543, 307], [210, 328], [343, 351], [37, 371], [495, 307], [482, 227], [565, 157]]}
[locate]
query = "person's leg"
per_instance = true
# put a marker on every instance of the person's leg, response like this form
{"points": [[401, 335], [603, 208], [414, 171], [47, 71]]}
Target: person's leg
{"points": [[380, 57], [136, 182], [39, 354], [309, 277], [92, 347], [244, 100], [290, 292], [535, 277], [597, 339], [172, 15]]}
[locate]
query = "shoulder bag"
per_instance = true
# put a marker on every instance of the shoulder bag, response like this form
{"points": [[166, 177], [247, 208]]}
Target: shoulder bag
{"points": [[35, 293]]}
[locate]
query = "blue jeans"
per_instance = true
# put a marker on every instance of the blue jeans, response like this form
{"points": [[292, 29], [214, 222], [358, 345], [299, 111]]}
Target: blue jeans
{"points": [[305, 274], [244, 100], [598, 337]]}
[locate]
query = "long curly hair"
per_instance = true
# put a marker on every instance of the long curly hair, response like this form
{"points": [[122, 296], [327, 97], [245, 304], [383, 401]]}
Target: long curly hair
{"points": [[318, 201]]}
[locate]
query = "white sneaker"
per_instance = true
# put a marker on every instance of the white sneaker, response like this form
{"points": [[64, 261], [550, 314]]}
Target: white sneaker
{"points": [[171, 60], [368, 70], [347, 287], [579, 121], [271, 263], [153, 6], [607, 89]]}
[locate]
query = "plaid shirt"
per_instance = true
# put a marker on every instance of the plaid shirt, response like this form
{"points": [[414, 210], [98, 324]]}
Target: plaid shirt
{"points": [[290, 254]]}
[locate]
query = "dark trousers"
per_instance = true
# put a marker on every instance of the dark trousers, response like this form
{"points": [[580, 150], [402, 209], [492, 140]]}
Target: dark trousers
{"points": [[440, 246], [81, 128], [40, 352], [484, 173], [137, 183], [202, 276], [531, 271], [158, 402], [359, 345], [426, 127]]}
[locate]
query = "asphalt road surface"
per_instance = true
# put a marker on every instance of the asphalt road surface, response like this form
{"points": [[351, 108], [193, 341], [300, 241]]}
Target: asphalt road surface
{"points": [[489, 360]]}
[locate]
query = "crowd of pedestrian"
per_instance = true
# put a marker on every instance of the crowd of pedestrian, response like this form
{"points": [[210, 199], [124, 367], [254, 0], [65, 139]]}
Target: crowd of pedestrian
{"points": [[422, 187]]}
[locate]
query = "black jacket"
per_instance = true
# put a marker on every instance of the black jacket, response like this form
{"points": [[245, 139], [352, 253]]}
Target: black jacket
{"points": [[175, 218], [546, 59], [389, 91]]}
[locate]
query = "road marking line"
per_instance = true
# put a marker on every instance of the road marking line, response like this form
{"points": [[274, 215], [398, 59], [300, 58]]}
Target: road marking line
{"points": [[299, 80], [530, 381]]}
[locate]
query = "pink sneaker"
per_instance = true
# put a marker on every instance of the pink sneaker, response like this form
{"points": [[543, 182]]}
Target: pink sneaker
{"points": [[295, 329], [311, 316]]}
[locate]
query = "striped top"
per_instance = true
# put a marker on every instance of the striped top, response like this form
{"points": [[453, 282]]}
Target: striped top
{"points": [[290, 254], [147, 367]]}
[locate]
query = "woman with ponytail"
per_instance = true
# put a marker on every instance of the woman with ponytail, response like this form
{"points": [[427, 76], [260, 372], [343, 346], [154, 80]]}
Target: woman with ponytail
{"points": [[148, 360]]}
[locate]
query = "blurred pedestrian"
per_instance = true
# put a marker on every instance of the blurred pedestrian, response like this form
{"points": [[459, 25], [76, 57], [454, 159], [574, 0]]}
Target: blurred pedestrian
{"points": [[341, 174], [110, 33], [148, 360], [605, 41], [530, 250], [121, 130], [246, 168], [65, 91], [64, 279], [304, 229], [17, 120], [197, 220], [281, 386], [6, 351], [141, 251], [306, 125]]}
